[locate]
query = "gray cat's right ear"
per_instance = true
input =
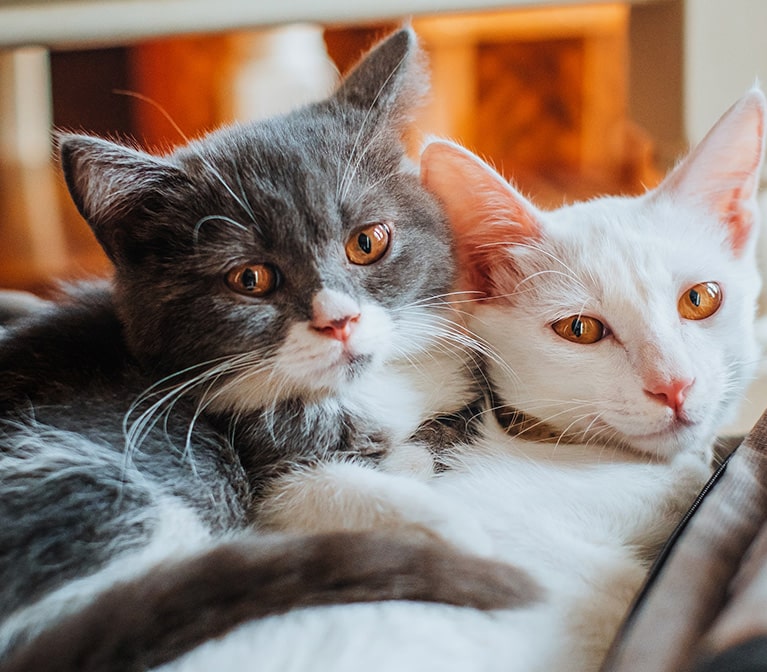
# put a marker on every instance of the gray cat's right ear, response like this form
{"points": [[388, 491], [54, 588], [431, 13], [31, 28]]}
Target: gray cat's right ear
{"points": [[390, 80], [115, 188]]}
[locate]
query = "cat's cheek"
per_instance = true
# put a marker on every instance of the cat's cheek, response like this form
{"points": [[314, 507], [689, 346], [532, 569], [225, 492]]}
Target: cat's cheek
{"points": [[374, 335], [310, 360]]}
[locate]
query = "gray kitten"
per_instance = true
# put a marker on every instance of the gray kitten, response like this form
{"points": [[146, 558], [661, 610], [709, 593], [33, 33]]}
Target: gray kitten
{"points": [[276, 287]]}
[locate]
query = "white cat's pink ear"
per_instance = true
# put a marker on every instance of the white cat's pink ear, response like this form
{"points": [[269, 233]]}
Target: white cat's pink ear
{"points": [[722, 172], [486, 214]]}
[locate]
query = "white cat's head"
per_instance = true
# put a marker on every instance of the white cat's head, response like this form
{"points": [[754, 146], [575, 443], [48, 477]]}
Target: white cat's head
{"points": [[620, 319]]}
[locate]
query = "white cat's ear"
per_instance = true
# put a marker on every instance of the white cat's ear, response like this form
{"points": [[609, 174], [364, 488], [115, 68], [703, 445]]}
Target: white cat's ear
{"points": [[486, 214], [722, 172], [114, 188]]}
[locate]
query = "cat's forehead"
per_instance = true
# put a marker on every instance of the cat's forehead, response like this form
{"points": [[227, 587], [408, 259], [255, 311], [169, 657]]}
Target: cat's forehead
{"points": [[309, 142], [309, 166], [293, 192], [614, 248]]}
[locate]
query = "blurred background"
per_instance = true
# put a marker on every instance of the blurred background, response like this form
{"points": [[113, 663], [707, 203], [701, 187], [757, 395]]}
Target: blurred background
{"points": [[569, 99]]}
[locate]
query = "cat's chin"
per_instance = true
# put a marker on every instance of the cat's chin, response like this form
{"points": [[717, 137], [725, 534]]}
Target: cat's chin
{"points": [[346, 369], [672, 440], [660, 443]]}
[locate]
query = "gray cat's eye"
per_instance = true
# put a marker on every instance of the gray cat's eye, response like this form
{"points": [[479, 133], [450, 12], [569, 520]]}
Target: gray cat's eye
{"points": [[368, 244], [253, 279]]}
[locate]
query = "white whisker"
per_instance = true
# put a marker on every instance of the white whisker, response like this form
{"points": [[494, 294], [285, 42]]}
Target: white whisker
{"points": [[210, 218]]}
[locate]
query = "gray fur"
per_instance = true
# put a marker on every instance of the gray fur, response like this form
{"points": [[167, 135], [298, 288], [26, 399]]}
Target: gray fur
{"points": [[16, 305], [137, 625], [289, 189], [139, 354]]}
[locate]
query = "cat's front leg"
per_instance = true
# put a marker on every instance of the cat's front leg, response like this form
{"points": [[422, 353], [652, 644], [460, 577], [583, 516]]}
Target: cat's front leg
{"points": [[348, 495]]}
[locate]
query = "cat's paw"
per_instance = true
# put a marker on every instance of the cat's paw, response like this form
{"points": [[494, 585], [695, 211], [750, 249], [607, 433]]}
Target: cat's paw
{"points": [[412, 459], [351, 496], [691, 469]]}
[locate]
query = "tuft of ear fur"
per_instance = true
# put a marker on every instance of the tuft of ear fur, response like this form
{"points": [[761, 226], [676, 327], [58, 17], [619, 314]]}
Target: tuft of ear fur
{"points": [[389, 81], [486, 214], [722, 172], [114, 187]]}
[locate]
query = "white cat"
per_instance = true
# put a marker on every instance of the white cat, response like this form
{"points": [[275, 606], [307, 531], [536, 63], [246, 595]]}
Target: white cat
{"points": [[625, 326]]}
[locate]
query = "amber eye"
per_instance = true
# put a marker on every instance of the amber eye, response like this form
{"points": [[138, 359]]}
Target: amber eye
{"points": [[580, 329], [700, 301], [368, 244], [253, 279]]}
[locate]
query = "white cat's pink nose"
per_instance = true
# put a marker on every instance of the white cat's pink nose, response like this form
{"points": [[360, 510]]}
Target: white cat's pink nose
{"points": [[672, 393]]}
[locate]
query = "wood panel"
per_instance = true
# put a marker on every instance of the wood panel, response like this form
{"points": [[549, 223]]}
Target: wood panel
{"points": [[541, 93]]}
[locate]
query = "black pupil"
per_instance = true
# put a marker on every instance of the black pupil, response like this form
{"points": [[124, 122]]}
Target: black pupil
{"points": [[577, 327], [365, 243], [249, 279], [695, 297]]}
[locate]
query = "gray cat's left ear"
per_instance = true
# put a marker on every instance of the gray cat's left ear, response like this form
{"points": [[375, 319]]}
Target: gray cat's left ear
{"points": [[722, 173], [117, 189], [391, 79]]}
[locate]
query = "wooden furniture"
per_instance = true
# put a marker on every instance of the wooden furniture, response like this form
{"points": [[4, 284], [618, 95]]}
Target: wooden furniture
{"points": [[541, 91]]}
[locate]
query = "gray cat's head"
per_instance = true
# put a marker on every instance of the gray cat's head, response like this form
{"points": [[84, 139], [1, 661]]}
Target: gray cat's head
{"points": [[298, 252]]}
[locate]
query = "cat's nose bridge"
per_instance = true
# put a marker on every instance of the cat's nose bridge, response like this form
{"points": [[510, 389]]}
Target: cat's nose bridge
{"points": [[334, 314], [664, 371]]}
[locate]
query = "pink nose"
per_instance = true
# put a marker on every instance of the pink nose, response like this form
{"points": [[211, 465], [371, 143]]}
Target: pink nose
{"points": [[339, 329], [672, 393]]}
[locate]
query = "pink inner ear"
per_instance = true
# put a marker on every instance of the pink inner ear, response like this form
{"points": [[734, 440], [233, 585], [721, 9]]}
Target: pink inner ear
{"points": [[740, 222], [722, 172], [486, 214]]}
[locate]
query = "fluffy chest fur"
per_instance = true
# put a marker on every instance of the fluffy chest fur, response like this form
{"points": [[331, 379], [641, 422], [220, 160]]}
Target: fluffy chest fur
{"points": [[626, 327], [584, 530]]}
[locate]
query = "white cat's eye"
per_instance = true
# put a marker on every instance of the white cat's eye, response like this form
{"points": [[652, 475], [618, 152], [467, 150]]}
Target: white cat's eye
{"points": [[253, 279], [580, 329], [700, 301], [368, 244]]}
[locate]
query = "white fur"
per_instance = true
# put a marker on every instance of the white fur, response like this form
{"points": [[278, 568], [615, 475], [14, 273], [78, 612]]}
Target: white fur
{"points": [[177, 530], [585, 520], [572, 527], [352, 496], [626, 262], [416, 371]]}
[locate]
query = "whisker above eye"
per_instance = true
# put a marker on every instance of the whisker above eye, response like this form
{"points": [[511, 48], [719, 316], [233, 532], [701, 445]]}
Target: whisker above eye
{"points": [[245, 203], [532, 276], [540, 250], [211, 218], [216, 173]]}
